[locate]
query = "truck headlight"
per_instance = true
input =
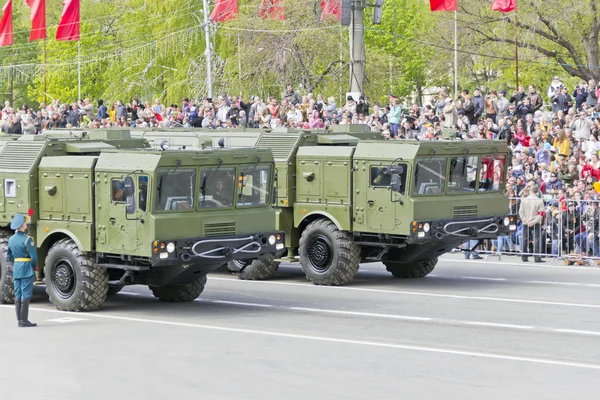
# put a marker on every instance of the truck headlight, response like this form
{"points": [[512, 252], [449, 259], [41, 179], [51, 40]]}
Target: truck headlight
{"points": [[171, 247], [426, 227], [272, 240], [506, 221]]}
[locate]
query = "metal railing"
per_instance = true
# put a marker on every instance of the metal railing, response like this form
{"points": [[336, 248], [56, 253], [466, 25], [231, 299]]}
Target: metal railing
{"points": [[569, 230]]}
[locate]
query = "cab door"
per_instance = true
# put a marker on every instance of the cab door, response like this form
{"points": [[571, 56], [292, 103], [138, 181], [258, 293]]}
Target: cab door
{"points": [[122, 230], [374, 209]]}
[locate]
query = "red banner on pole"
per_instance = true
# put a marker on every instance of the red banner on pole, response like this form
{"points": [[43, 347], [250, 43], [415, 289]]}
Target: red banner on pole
{"points": [[504, 5], [6, 28], [331, 9], [272, 9], [38, 19], [224, 10], [68, 28], [442, 5]]}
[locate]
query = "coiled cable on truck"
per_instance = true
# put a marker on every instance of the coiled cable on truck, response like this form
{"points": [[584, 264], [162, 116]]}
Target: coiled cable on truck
{"points": [[244, 249]]}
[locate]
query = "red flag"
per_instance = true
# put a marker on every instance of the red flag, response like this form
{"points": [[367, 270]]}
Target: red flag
{"points": [[331, 8], [6, 29], [38, 19], [224, 10], [271, 9], [442, 5], [68, 28], [504, 5]]}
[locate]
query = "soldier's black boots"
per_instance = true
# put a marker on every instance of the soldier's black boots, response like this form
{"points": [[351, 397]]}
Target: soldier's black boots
{"points": [[18, 309], [24, 322]]}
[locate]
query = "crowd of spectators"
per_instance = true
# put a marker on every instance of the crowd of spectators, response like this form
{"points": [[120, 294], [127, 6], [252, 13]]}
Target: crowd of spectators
{"points": [[553, 142]]}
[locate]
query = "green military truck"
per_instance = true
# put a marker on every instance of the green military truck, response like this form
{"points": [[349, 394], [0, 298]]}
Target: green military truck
{"points": [[342, 201], [106, 211]]}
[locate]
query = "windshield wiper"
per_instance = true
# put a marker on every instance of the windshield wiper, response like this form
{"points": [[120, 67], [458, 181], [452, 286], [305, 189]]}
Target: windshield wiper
{"points": [[160, 182], [205, 180], [245, 177]]}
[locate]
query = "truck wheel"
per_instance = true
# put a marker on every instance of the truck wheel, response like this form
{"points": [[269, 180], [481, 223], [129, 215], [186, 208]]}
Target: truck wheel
{"points": [[327, 255], [419, 269], [255, 270], [72, 281], [180, 293], [7, 289]]}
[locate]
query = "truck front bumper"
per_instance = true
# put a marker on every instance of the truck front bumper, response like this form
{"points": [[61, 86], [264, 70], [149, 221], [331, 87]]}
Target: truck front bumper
{"points": [[216, 250], [456, 230], [183, 260]]}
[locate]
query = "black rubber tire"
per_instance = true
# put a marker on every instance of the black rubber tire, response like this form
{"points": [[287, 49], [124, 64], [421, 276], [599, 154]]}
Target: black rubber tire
{"points": [[260, 269], [114, 289], [419, 269], [343, 253], [180, 293], [90, 283], [7, 288]]}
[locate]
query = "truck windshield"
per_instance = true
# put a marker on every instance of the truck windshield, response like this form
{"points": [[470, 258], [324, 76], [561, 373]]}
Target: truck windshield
{"points": [[255, 185], [175, 189], [430, 175], [492, 172], [463, 174], [218, 187]]}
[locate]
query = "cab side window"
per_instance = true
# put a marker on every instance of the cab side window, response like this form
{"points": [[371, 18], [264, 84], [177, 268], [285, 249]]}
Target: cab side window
{"points": [[143, 192], [118, 190], [381, 178]]}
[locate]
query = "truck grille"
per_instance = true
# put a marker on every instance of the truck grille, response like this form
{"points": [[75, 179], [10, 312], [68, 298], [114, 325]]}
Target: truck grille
{"points": [[219, 229], [281, 146], [465, 211]]}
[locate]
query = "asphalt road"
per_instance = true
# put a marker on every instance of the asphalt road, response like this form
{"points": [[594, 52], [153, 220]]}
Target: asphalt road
{"points": [[471, 330]]}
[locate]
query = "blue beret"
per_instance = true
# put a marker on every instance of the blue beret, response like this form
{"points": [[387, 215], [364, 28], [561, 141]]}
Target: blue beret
{"points": [[17, 221]]}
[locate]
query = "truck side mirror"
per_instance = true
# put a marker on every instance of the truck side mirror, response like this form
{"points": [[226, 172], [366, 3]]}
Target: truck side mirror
{"points": [[130, 204], [395, 169], [129, 186], [396, 184]]}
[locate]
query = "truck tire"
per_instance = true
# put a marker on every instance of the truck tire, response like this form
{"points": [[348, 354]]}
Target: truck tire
{"points": [[328, 256], [419, 269], [73, 283], [255, 270], [180, 293], [7, 288]]}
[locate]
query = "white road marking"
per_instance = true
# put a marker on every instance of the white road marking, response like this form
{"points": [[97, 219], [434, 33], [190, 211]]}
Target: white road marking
{"points": [[66, 319], [496, 325], [556, 283], [129, 293], [238, 303], [536, 265], [594, 333], [363, 314], [475, 354], [482, 278], [400, 317], [421, 294]]}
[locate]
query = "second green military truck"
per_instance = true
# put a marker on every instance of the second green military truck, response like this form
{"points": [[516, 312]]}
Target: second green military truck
{"points": [[106, 212], [342, 201]]}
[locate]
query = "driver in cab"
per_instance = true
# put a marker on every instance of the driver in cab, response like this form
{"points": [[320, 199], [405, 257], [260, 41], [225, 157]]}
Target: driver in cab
{"points": [[118, 191], [223, 193]]}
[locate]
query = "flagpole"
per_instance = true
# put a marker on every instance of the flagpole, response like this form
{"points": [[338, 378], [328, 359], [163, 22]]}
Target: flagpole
{"points": [[12, 73], [45, 74], [516, 51], [79, 69], [455, 54], [208, 50]]}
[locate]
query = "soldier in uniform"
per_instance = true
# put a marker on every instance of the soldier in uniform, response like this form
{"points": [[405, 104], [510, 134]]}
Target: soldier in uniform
{"points": [[22, 252]]}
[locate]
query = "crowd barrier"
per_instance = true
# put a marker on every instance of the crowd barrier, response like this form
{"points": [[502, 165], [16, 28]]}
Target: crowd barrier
{"points": [[569, 231]]}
